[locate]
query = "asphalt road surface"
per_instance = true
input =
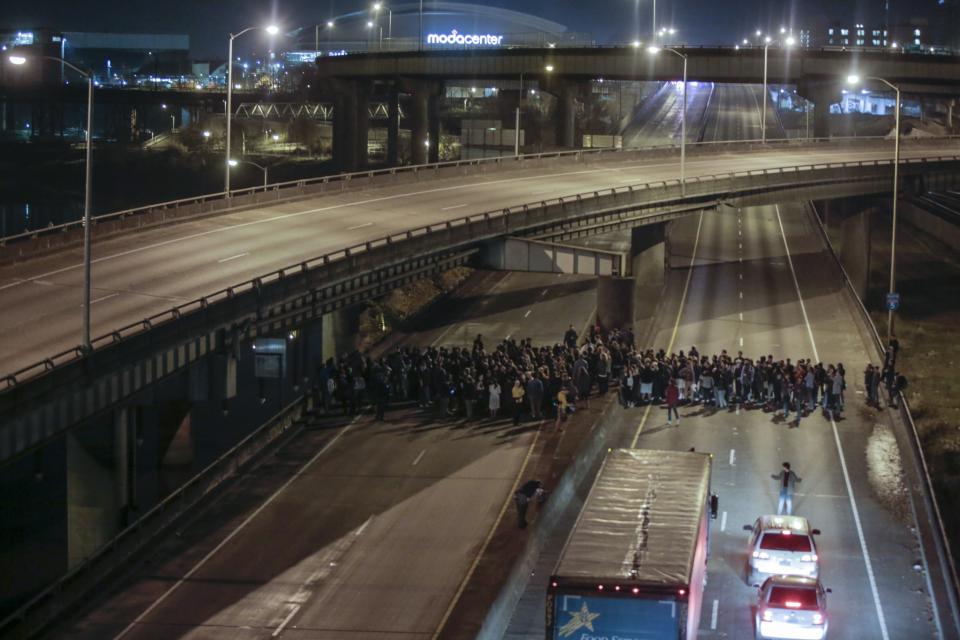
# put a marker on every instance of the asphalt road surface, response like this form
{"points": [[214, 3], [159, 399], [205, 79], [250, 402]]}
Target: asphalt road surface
{"points": [[788, 303], [360, 531], [141, 274]]}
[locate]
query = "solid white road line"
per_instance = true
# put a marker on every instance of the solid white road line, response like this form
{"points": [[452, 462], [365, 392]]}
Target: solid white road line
{"points": [[456, 206], [293, 612], [176, 585], [239, 255], [101, 299], [360, 226], [836, 437], [418, 458], [723, 521], [713, 613]]}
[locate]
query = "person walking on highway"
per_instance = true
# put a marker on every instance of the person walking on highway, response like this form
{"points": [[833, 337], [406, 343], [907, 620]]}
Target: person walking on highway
{"points": [[868, 384], [787, 481], [673, 399]]}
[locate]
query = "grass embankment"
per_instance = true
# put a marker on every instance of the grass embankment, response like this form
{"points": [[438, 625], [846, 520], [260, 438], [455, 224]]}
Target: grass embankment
{"points": [[928, 327]]}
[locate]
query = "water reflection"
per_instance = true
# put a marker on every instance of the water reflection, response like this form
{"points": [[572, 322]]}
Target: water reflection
{"points": [[19, 217]]}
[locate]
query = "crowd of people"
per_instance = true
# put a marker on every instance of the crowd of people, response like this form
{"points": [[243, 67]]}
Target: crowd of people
{"points": [[527, 381]]}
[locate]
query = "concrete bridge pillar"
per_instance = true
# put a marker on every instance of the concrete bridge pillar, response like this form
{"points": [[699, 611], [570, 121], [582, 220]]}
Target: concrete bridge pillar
{"points": [[393, 127], [648, 250], [855, 249], [419, 129], [566, 116], [424, 120], [822, 96], [351, 123]]}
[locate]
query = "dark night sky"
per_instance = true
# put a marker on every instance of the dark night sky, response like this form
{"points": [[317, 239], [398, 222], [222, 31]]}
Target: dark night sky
{"points": [[208, 21]]}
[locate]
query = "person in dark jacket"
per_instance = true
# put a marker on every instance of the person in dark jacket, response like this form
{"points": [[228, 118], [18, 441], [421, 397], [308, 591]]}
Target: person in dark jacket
{"points": [[673, 399]]}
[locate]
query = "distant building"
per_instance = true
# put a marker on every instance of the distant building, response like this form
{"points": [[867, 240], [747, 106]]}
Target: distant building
{"points": [[124, 58]]}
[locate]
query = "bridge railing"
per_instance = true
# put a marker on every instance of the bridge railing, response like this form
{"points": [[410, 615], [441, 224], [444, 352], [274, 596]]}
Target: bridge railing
{"points": [[698, 185], [53, 237], [932, 533]]}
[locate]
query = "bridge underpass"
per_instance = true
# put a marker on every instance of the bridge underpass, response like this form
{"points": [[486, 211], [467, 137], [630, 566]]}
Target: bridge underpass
{"points": [[104, 398]]}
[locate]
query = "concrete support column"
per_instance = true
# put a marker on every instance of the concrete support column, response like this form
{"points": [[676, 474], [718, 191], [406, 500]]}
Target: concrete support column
{"points": [[121, 461], [615, 302], [855, 249], [822, 96], [419, 129], [566, 117], [393, 127], [433, 115], [351, 123], [650, 263]]}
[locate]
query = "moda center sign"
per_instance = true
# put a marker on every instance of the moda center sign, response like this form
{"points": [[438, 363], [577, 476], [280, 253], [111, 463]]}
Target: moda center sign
{"points": [[466, 39]]}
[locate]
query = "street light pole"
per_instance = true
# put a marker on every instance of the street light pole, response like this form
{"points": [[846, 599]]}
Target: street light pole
{"points": [[232, 163], [516, 126], [272, 30], [420, 32], [683, 116], [896, 188], [87, 196], [763, 108]]}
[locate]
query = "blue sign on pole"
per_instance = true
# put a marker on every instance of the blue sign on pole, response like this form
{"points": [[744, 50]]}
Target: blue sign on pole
{"points": [[893, 301]]}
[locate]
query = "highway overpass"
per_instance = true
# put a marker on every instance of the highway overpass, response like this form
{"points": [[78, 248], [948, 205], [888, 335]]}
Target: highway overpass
{"points": [[169, 294], [819, 75], [401, 547]]}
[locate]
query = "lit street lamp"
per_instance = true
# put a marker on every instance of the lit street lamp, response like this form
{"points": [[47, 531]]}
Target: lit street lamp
{"points": [[272, 30], [854, 80], [232, 163], [377, 6], [653, 50], [88, 185], [788, 42]]}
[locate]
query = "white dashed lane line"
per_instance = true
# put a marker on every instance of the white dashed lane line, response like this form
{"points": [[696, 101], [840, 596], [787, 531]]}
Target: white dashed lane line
{"points": [[239, 255]]}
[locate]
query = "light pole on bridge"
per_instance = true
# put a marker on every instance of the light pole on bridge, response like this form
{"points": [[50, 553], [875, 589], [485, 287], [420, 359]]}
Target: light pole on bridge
{"points": [[19, 59], [788, 41], [854, 80], [683, 115], [233, 163], [272, 30]]}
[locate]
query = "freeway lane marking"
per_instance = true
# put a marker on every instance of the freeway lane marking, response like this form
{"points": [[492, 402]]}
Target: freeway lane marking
{"points": [[733, 458], [286, 620], [843, 462], [455, 206], [176, 585], [419, 458], [239, 255], [360, 226], [676, 324], [811, 158], [713, 613], [96, 300], [723, 521], [527, 314]]}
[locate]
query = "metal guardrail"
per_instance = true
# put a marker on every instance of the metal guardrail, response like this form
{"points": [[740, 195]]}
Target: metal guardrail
{"points": [[41, 610], [12, 380], [220, 198], [941, 541]]}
